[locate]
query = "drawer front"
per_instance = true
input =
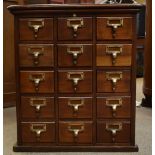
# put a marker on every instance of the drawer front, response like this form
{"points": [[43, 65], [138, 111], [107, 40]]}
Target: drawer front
{"points": [[75, 107], [36, 29], [113, 81], [74, 55], [75, 132], [113, 132], [113, 107], [37, 81], [37, 107], [39, 132], [75, 28], [109, 28], [75, 81], [32, 55], [114, 55]]}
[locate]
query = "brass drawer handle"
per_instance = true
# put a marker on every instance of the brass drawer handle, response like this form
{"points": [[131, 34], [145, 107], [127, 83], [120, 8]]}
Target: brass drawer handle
{"points": [[114, 77], [114, 103], [113, 128], [76, 128], [36, 79], [73, 103], [75, 77], [38, 129], [36, 52], [75, 23], [75, 50], [36, 24], [37, 103], [114, 51], [114, 23]]}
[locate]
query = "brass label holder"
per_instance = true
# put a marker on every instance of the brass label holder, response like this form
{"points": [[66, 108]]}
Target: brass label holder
{"points": [[75, 53], [114, 77], [36, 52], [75, 105], [37, 78], [114, 23], [37, 103], [75, 23], [114, 128], [36, 24], [114, 51], [75, 77], [114, 103], [38, 129]]}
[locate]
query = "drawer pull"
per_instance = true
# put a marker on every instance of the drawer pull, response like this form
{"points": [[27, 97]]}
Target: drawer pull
{"points": [[36, 79], [114, 128], [37, 103], [73, 103], [75, 23], [38, 129], [76, 129], [36, 52], [114, 77], [75, 77], [114, 51], [75, 51], [114, 103], [36, 24], [114, 23]]}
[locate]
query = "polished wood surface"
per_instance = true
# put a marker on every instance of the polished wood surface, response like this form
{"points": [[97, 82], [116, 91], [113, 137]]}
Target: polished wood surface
{"points": [[28, 33], [68, 107], [32, 55], [30, 136], [105, 85], [106, 55], [106, 107], [105, 32], [67, 137], [34, 107], [105, 136], [45, 84], [66, 55], [81, 91]]}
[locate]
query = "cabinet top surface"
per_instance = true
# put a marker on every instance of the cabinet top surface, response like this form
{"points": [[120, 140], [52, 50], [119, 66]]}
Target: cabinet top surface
{"points": [[84, 7]]}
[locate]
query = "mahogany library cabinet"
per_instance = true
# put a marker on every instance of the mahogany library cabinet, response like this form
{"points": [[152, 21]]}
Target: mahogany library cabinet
{"points": [[75, 77]]}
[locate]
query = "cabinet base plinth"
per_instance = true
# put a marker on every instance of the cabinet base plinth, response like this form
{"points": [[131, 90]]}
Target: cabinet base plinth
{"points": [[18, 148]]}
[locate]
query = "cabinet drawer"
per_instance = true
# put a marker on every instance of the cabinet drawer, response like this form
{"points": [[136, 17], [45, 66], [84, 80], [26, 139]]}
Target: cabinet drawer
{"points": [[114, 55], [36, 29], [75, 28], [39, 132], [37, 81], [113, 81], [74, 55], [113, 132], [32, 55], [109, 28], [75, 132], [113, 107], [75, 107], [37, 107], [75, 81]]}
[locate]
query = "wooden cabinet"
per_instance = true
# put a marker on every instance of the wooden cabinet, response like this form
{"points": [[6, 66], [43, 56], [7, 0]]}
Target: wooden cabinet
{"points": [[76, 77]]}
